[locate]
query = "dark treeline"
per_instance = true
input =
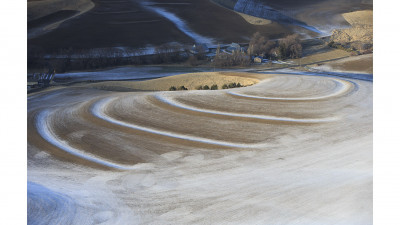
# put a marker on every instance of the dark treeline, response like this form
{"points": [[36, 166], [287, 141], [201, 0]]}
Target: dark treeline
{"points": [[236, 58], [70, 64], [286, 48], [88, 59], [70, 59]]}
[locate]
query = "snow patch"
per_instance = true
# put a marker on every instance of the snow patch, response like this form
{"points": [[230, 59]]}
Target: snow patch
{"points": [[179, 23]]}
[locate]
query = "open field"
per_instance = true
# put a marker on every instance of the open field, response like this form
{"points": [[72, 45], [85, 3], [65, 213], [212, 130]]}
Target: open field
{"points": [[361, 28], [45, 15], [353, 64], [41, 8], [288, 150], [140, 24], [138, 27], [326, 15], [97, 29], [332, 54], [322, 15], [223, 24], [320, 56], [83, 24]]}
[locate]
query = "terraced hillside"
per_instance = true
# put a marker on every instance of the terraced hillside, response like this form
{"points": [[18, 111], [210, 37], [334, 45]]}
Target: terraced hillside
{"points": [[288, 150]]}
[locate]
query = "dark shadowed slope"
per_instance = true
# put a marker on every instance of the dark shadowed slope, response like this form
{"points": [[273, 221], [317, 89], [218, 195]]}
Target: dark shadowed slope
{"points": [[111, 24], [129, 23], [320, 14]]}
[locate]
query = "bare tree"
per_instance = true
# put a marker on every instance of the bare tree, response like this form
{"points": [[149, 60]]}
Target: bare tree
{"points": [[169, 52], [237, 58], [259, 45], [290, 47]]}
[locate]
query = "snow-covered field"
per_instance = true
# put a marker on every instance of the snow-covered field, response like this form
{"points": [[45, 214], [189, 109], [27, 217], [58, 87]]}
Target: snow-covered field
{"points": [[292, 149], [179, 23]]}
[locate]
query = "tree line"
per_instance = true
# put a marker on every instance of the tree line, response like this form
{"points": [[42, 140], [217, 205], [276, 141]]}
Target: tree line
{"points": [[70, 59], [286, 48]]}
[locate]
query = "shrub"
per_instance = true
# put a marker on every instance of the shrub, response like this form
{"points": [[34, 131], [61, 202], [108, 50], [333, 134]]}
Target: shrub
{"points": [[193, 60], [182, 88], [239, 85], [331, 44], [354, 53], [206, 87], [168, 53], [172, 88], [290, 47], [214, 87], [260, 46], [225, 86], [237, 58], [199, 87], [232, 85]]}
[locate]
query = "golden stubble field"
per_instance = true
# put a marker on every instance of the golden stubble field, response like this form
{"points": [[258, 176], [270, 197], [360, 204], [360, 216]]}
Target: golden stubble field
{"points": [[190, 81]]}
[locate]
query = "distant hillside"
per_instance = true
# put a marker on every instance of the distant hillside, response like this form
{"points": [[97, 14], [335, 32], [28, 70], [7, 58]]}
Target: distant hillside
{"points": [[40, 8], [56, 26], [142, 24], [46, 15], [314, 15], [360, 35], [264, 9]]}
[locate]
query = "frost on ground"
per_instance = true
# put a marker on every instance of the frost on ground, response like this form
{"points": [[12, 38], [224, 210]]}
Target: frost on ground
{"points": [[204, 157]]}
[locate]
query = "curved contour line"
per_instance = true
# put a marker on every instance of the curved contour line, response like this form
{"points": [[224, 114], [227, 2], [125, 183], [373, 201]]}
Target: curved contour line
{"points": [[345, 86], [42, 126], [98, 111], [252, 116]]}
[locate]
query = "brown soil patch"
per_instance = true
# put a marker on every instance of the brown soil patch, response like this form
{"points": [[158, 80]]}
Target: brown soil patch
{"points": [[321, 57], [255, 20], [361, 30]]}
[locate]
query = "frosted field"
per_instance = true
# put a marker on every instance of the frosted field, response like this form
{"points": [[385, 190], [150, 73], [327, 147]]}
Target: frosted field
{"points": [[292, 149]]}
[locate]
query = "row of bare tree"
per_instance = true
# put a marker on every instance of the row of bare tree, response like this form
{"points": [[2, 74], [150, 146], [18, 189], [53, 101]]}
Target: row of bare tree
{"points": [[83, 59], [288, 47], [236, 58]]}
